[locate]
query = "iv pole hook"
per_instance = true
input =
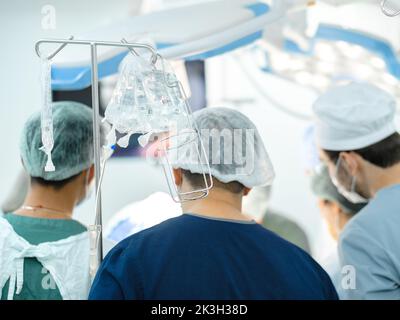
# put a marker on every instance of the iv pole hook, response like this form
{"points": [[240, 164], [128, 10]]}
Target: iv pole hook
{"points": [[52, 55]]}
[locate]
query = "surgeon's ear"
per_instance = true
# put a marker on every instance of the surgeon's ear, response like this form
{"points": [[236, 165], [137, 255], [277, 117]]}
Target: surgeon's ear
{"points": [[352, 161], [91, 174], [246, 191], [177, 176]]}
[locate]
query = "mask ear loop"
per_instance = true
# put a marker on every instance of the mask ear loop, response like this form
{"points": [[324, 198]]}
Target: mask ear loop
{"points": [[353, 184], [338, 162], [353, 178]]}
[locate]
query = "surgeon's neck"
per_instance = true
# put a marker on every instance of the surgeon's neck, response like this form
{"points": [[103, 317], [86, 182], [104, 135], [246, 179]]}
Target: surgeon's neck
{"points": [[381, 178], [219, 203], [47, 202]]}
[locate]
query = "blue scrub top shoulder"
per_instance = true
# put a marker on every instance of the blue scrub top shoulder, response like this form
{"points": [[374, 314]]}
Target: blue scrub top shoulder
{"points": [[193, 257]]}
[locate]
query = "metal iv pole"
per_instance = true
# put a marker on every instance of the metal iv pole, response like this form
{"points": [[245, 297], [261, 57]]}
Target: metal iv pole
{"points": [[96, 255]]}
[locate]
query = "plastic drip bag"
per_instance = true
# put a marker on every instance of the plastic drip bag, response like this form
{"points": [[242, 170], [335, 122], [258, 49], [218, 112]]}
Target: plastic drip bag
{"points": [[47, 115], [146, 100]]}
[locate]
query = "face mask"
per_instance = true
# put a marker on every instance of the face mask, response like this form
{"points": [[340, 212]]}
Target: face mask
{"points": [[351, 194]]}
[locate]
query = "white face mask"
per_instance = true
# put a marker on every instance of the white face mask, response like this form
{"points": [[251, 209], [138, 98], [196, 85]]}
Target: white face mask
{"points": [[351, 194]]}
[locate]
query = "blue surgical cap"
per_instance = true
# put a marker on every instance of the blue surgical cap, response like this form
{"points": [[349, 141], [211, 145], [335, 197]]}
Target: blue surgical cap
{"points": [[73, 142]]}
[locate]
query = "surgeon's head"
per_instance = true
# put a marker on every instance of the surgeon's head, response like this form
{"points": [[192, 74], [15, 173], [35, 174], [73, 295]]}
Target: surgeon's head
{"points": [[334, 207], [357, 137], [235, 151], [72, 153]]}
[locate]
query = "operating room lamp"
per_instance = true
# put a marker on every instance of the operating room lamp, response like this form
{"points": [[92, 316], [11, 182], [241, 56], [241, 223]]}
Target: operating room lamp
{"points": [[337, 56], [333, 54]]}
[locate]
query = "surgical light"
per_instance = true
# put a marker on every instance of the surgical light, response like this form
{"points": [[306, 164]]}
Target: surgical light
{"points": [[304, 77], [337, 56], [326, 52], [378, 63]]}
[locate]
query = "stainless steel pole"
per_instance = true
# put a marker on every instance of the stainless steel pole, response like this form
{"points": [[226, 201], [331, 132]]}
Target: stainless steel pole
{"points": [[95, 230], [96, 142]]}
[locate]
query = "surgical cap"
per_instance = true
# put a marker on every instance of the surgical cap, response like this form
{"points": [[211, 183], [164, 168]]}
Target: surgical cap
{"points": [[354, 116], [234, 149], [322, 187], [73, 142]]}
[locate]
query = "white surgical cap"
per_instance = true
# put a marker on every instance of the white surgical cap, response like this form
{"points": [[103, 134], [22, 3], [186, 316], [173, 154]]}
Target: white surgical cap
{"points": [[233, 146], [354, 116]]}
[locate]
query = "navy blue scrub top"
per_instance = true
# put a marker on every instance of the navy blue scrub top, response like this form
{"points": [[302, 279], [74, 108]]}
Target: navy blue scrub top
{"points": [[195, 257]]}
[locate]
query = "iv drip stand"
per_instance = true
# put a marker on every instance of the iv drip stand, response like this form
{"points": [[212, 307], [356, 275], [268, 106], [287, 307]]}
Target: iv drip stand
{"points": [[95, 108]]}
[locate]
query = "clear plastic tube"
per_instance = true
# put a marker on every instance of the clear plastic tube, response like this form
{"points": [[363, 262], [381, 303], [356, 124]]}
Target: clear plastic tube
{"points": [[94, 238], [47, 115]]}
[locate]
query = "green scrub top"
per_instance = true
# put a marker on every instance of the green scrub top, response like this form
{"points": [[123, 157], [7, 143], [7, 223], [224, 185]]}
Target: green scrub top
{"points": [[38, 283]]}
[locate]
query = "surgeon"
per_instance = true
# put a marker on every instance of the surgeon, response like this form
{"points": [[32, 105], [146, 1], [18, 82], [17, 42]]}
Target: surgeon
{"points": [[337, 211], [214, 251], [359, 142], [44, 252]]}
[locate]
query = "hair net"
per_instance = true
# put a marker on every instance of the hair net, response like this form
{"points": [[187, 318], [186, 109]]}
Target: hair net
{"points": [[322, 187], [73, 142], [354, 116], [234, 149]]}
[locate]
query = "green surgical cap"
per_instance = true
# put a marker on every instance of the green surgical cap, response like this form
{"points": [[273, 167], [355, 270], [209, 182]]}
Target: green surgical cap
{"points": [[322, 187], [73, 142]]}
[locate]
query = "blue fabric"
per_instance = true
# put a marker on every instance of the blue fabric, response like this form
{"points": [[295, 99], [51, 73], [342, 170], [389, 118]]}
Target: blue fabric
{"points": [[370, 243], [191, 257]]}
